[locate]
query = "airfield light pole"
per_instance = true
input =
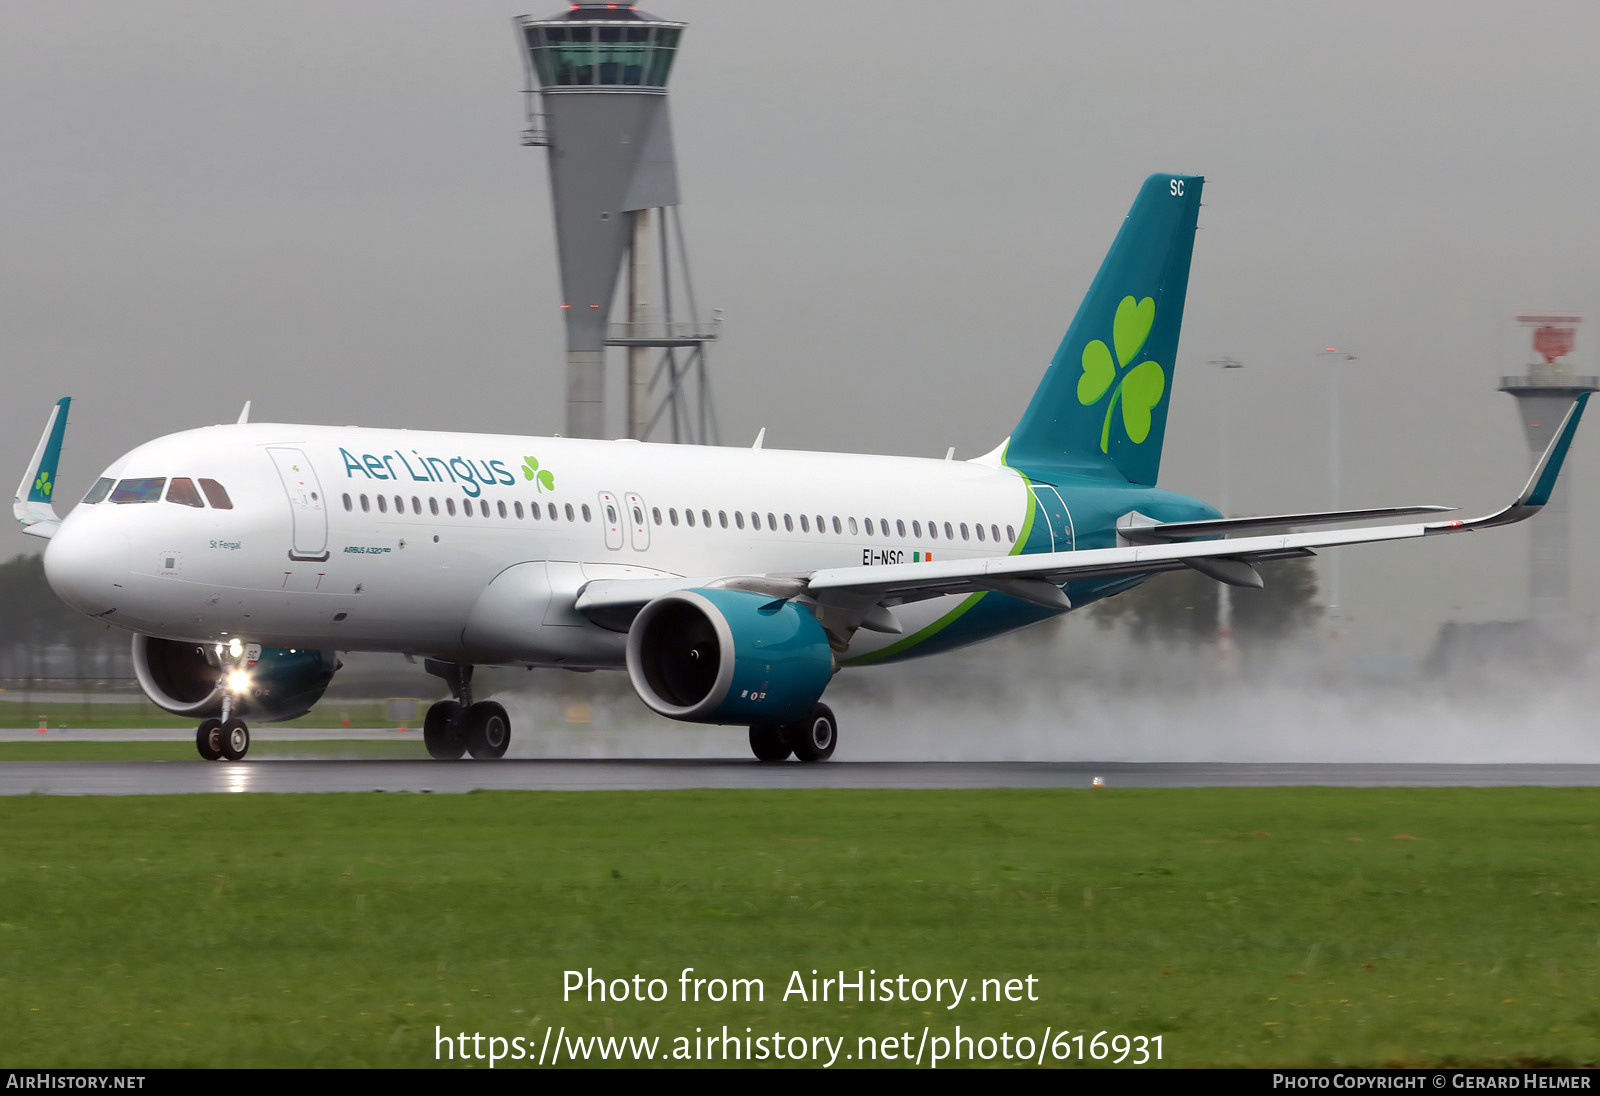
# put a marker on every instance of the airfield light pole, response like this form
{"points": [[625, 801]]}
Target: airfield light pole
{"points": [[1335, 357], [1224, 591]]}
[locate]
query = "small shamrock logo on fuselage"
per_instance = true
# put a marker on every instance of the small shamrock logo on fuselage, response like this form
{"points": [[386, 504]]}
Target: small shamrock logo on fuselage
{"points": [[1138, 389], [544, 479], [43, 484]]}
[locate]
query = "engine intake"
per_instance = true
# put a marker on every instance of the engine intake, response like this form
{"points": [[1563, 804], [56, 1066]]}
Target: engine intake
{"points": [[728, 656], [182, 679]]}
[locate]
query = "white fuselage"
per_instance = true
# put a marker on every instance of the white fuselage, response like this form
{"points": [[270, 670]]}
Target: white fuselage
{"points": [[390, 540]]}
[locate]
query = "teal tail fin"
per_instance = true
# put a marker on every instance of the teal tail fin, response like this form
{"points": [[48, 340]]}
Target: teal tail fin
{"points": [[1102, 407]]}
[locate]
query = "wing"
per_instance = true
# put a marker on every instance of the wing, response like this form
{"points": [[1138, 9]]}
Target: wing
{"points": [[868, 592]]}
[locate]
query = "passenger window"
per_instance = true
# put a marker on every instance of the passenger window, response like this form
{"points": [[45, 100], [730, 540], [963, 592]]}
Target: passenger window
{"points": [[705, 518], [383, 505], [215, 495], [837, 528], [788, 524], [500, 508], [805, 524], [139, 490], [772, 522], [868, 522], [822, 526], [933, 531], [900, 528], [571, 514], [964, 531], [688, 517], [348, 505], [738, 518], [1011, 534], [554, 514], [517, 509], [722, 518], [638, 516], [433, 507], [611, 514], [916, 529], [655, 512], [366, 504], [450, 507], [672, 515], [416, 505], [979, 529], [994, 532], [587, 516], [182, 492], [852, 526], [97, 493], [949, 533]]}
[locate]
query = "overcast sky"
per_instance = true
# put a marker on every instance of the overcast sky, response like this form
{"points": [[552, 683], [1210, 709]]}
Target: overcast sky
{"points": [[324, 207]]}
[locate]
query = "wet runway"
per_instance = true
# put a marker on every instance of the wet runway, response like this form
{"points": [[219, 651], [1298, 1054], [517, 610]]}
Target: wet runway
{"points": [[197, 777]]}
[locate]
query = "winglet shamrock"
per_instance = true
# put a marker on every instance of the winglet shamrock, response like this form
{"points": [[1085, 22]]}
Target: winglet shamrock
{"points": [[546, 479], [1139, 389], [43, 484]]}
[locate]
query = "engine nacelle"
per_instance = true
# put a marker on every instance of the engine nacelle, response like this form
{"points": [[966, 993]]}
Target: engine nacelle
{"points": [[182, 678], [728, 656]]}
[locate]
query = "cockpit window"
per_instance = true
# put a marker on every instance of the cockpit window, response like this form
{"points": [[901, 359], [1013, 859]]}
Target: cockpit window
{"points": [[216, 495], [98, 492], [183, 493], [139, 490]]}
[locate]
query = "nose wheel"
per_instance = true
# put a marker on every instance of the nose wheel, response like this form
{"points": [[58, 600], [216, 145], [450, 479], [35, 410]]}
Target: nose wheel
{"points": [[228, 738]]}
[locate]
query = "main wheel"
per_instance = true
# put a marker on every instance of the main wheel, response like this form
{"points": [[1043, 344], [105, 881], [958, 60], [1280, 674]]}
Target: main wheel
{"points": [[488, 730], [815, 736], [441, 731], [208, 740], [235, 740], [769, 742]]}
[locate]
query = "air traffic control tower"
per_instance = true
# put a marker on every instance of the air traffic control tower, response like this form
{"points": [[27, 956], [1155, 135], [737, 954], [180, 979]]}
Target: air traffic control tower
{"points": [[1543, 395], [597, 100]]}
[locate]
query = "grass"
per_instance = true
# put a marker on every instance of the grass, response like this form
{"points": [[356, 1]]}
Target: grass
{"points": [[1246, 927], [142, 714], [405, 747]]}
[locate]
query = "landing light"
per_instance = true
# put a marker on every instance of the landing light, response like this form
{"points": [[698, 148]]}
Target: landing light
{"points": [[238, 682], [235, 648]]}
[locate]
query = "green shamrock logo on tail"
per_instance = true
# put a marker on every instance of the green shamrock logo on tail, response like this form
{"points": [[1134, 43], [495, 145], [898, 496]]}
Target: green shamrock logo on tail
{"points": [[43, 484], [546, 479], [1139, 389]]}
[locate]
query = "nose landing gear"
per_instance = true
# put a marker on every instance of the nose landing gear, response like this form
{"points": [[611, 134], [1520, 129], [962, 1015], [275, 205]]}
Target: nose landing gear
{"points": [[228, 738]]}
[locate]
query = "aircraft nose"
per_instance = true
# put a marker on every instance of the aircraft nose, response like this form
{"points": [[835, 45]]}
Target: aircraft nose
{"points": [[87, 567]]}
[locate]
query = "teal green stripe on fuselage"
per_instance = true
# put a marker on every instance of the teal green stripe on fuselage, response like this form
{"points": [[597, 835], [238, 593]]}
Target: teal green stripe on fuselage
{"points": [[1095, 505]]}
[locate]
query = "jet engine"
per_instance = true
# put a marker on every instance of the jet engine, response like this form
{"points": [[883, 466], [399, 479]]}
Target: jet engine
{"points": [[728, 656], [183, 679]]}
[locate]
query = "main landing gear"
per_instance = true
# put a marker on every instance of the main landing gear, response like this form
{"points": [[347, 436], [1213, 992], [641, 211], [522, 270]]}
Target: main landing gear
{"points": [[455, 727], [228, 738], [809, 739]]}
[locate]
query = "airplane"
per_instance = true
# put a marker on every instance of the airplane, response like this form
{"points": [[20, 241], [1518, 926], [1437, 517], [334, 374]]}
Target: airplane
{"points": [[730, 584]]}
